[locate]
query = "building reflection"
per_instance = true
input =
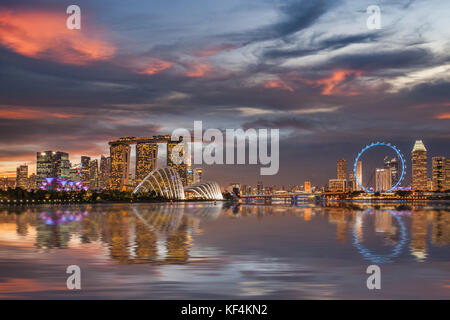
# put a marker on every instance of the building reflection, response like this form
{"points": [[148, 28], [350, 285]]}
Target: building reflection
{"points": [[165, 233]]}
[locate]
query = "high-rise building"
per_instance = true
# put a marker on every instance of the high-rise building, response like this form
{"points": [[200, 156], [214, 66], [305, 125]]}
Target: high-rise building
{"points": [[185, 165], [447, 174], [93, 174], [75, 172], [120, 162], [383, 180], [439, 174], [6, 183], [105, 171], [393, 166], [307, 186], [85, 172], [260, 188], [22, 177], [146, 160], [198, 174], [359, 175], [337, 185], [419, 167], [52, 164], [342, 169], [32, 181]]}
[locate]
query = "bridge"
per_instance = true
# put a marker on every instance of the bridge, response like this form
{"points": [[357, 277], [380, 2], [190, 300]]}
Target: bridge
{"points": [[292, 197]]}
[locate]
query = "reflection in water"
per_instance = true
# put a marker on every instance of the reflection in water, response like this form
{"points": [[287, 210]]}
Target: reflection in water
{"points": [[165, 233], [188, 250], [383, 223]]}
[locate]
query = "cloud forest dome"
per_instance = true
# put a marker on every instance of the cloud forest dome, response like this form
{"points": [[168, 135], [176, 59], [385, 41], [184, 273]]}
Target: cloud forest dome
{"points": [[205, 190], [165, 182]]}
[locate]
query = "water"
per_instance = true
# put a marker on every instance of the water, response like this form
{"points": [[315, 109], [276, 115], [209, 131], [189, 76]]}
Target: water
{"points": [[206, 251]]}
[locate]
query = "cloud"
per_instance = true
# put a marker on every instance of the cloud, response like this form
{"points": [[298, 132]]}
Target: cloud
{"points": [[44, 35], [277, 84], [11, 112], [197, 69]]}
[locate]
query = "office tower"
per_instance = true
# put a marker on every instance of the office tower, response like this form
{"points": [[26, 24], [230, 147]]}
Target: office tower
{"points": [[447, 174], [342, 169], [393, 166], [359, 175], [181, 165], [85, 172], [61, 163], [93, 174], [120, 165], [32, 181], [438, 174], [146, 160], [105, 171], [383, 180], [198, 173], [50, 164], [75, 172], [6, 183], [337, 185], [236, 188], [307, 186], [22, 177], [419, 167], [260, 188]]}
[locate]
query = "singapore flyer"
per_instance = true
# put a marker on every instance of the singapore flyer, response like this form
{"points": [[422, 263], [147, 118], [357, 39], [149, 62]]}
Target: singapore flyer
{"points": [[400, 175]]}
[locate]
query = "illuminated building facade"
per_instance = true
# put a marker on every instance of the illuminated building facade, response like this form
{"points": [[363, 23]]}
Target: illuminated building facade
{"points": [[204, 191], [342, 169], [447, 174], [392, 165], [183, 167], [383, 180], [51, 164], [359, 175], [198, 174], [85, 172], [307, 186], [419, 167], [93, 174], [22, 177], [146, 160], [337, 185], [439, 182], [120, 165], [105, 171]]}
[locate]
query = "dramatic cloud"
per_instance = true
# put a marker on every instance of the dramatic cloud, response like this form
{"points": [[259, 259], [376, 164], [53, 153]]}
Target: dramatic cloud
{"points": [[44, 35]]}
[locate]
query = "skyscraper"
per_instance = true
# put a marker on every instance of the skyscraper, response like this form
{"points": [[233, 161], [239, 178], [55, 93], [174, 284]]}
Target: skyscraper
{"points": [[359, 175], [419, 167], [438, 173], [120, 161], [185, 165], [51, 164], [146, 160], [307, 186], [93, 174], [85, 172], [198, 173], [393, 166], [447, 174], [342, 169], [22, 177], [105, 171], [383, 179]]}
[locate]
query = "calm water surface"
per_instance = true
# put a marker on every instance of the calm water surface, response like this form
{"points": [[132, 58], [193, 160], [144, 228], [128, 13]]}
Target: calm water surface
{"points": [[207, 251]]}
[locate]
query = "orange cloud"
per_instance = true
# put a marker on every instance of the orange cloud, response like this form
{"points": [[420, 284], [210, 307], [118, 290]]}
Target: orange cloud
{"points": [[25, 113], [44, 35], [337, 83], [198, 70], [154, 66], [443, 116], [277, 84], [212, 50]]}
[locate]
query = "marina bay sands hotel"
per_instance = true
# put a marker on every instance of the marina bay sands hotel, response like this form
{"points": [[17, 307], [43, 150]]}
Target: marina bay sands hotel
{"points": [[146, 160]]}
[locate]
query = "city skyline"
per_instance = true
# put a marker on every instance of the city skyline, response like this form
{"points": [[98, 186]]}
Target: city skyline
{"points": [[330, 88]]}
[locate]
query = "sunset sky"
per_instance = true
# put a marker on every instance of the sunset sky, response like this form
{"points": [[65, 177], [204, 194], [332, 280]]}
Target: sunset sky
{"points": [[310, 68]]}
